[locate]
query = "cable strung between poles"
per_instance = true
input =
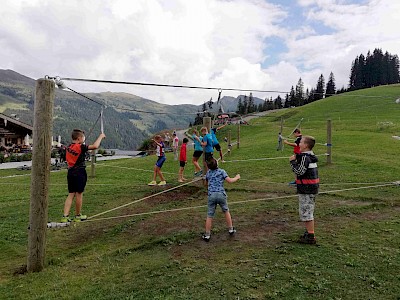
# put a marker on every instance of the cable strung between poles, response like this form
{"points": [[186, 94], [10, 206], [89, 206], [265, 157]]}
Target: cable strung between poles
{"points": [[237, 202], [169, 85]]}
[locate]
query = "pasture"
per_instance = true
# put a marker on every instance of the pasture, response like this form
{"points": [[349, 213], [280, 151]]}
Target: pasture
{"points": [[157, 252]]}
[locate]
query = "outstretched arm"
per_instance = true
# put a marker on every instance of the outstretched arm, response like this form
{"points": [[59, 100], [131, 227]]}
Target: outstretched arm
{"points": [[96, 144], [222, 126], [232, 180]]}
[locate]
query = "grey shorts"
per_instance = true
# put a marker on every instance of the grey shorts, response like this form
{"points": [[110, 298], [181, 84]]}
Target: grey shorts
{"points": [[215, 199], [306, 207]]}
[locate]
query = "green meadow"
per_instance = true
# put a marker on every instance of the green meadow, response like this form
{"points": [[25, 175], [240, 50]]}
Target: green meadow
{"points": [[150, 246]]}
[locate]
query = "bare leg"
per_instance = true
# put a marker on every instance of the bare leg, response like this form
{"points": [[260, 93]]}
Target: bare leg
{"points": [[208, 224], [228, 219], [180, 176], [78, 203], [309, 226], [196, 164], [155, 173], [68, 203], [160, 174]]}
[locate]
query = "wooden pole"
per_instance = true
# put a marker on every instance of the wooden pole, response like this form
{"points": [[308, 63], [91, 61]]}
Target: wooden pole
{"points": [[329, 141], [40, 176], [238, 135], [281, 132], [229, 142]]}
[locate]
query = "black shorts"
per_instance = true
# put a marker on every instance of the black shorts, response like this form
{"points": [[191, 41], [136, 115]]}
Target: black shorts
{"points": [[197, 153], [182, 163], [208, 156], [217, 147], [77, 179]]}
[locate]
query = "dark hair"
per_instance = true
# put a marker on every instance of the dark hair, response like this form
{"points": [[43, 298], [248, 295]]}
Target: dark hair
{"points": [[296, 130], [76, 133], [185, 140], [212, 164], [309, 141]]}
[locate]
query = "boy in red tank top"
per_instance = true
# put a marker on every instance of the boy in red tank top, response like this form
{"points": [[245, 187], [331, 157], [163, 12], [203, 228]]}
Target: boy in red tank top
{"points": [[77, 177]]}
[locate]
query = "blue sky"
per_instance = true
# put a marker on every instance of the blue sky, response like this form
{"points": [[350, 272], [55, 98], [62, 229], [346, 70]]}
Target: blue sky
{"points": [[246, 44]]}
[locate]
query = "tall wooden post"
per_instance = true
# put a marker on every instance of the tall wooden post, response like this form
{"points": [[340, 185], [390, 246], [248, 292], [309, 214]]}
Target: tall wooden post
{"points": [[238, 135], [329, 141], [229, 142], [281, 131], [40, 176]]}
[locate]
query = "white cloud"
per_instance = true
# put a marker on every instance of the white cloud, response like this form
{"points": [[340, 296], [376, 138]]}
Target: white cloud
{"points": [[213, 43]]}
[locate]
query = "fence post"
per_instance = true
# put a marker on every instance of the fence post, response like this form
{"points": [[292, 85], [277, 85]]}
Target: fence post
{"points": [[238, 135], [40, 176], [229, 142], [329, 141]]}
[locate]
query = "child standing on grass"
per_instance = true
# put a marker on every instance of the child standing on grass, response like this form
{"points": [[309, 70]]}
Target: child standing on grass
{"points": [[77, 176], [198, 151], [182, 160], [304, 165], [217, 196], [160, 161], [175, 145]]}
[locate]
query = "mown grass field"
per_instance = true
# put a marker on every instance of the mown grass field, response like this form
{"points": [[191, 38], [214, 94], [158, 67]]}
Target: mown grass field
{"points": [[161, 255]]}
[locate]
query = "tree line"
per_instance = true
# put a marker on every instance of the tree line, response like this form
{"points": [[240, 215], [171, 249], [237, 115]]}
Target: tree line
{"points": [[377, 68]]}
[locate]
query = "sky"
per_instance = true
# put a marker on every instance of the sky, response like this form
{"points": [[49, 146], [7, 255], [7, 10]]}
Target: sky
{"points": [[264, 45]]}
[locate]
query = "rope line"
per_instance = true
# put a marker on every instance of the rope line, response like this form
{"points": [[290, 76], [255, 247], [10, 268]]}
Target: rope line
{"points": [[267, 158], [144, 198], [170, 85], [236, 202]]}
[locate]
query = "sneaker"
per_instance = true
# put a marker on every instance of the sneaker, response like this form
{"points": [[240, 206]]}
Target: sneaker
{"points": [[307, 238], [152, 183], [162, 183], [232, 231], [65, 219], [79, 218], [292, 183], [206, 238], [199, 173]]}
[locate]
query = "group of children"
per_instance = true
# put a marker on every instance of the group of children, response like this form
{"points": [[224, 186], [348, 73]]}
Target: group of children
{"points": [[303, 163]]}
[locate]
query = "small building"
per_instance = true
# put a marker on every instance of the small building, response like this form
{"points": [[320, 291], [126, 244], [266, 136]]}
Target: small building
{"points": [[13, 131]]}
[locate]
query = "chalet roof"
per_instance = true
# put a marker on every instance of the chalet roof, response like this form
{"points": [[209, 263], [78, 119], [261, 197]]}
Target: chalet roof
{"points": [[16, 122]]}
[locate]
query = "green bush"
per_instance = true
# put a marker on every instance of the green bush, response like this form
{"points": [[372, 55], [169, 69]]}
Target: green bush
{"points": [[26, 157]]}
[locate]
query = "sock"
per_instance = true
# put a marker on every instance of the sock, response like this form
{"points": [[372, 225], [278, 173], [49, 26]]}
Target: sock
{"points": [[207, 234], [230, 229]]}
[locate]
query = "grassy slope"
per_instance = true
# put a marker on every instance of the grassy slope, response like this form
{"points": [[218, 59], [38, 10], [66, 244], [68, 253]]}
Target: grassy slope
{"points": [[161, 256]]}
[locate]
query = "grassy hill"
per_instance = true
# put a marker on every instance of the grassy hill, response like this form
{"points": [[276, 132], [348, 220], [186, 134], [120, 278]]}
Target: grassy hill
{"points": [[159, 255]]}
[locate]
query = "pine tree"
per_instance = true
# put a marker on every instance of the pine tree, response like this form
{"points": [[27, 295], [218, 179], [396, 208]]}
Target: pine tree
{"points": [[320, 89], [330, 86], [287, 101], [299, 93], [240, 106], [278, 102]]}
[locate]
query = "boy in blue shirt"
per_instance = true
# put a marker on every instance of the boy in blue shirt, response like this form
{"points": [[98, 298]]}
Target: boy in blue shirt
{"points": [[217, 196], [207, 144], [216, 144], [198, 151]]}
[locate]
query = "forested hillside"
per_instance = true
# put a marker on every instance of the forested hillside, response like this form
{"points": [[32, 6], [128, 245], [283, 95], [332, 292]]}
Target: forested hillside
{"points": [[125, 128]]}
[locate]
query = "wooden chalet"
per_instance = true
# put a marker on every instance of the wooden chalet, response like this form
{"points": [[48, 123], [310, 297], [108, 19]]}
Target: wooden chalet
{"points": [[13, 131]]}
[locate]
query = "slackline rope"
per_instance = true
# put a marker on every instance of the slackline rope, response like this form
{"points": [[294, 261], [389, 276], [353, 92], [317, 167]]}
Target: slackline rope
{"points": [[236, 202], [267, 158], [144, 198]]}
